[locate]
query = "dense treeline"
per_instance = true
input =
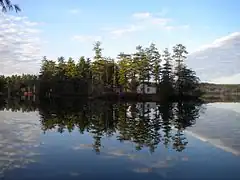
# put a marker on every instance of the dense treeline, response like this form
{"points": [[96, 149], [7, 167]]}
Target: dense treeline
{"points": [[16, 82], [221, 89], [146, 125], [167, 70]]}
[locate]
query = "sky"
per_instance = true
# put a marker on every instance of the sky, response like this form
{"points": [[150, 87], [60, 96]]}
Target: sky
{"points": [[208, 29]]}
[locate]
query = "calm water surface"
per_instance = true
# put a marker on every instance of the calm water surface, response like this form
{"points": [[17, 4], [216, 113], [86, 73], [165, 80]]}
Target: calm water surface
{"points": [[120, 141]]}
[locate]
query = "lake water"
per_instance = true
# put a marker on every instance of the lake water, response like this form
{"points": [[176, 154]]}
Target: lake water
{"points": [[69, 140]]}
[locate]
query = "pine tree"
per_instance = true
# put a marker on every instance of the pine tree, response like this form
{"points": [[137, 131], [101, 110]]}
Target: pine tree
{"points": [[166, 84], [154, 58], [179, 55]]}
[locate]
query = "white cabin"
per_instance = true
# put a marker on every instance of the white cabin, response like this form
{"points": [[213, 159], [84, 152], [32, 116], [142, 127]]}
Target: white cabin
{"points": [[148, 88]]}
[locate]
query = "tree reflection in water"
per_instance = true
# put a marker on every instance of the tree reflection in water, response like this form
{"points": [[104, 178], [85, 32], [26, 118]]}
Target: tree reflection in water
{"points": [[144, 124]]}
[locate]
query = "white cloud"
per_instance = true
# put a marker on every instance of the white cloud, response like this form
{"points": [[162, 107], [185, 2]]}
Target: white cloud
{"points": [[146, 21], [74, 11], [86, 38], [160, 21], [220, 42], [122, 31], [182, 27], [19, 45], [29, 23], [150, 19], [218, 61], [143, 15]]}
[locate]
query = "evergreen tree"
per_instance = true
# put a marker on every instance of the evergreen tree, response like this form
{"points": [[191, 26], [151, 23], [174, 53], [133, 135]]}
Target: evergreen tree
{"points": [[154, 60], [179, 55], [166, 84], [124, 70], [142, 65], [61, 69], [188, 82], [3, 85]]}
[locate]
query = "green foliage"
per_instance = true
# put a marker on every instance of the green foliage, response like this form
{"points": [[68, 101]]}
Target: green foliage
{"points": [[125, 66], [154, 57], [179, 54], [188, 82], [3, 84], [167, 77]]}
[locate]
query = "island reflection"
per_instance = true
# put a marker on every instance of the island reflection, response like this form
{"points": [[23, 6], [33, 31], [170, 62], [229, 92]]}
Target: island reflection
{"points": [[145, 124]]}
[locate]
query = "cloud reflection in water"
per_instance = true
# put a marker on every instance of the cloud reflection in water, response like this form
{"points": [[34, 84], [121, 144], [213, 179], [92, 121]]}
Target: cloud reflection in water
{"points": [[19, 133]]}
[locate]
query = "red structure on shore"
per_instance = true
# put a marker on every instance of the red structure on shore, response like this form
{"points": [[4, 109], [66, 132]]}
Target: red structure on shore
{"points": [[28, 93]]}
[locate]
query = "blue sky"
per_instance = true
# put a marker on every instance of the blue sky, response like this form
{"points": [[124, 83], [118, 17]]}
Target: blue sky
{"points": [[70, 27], [207, 20]]}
